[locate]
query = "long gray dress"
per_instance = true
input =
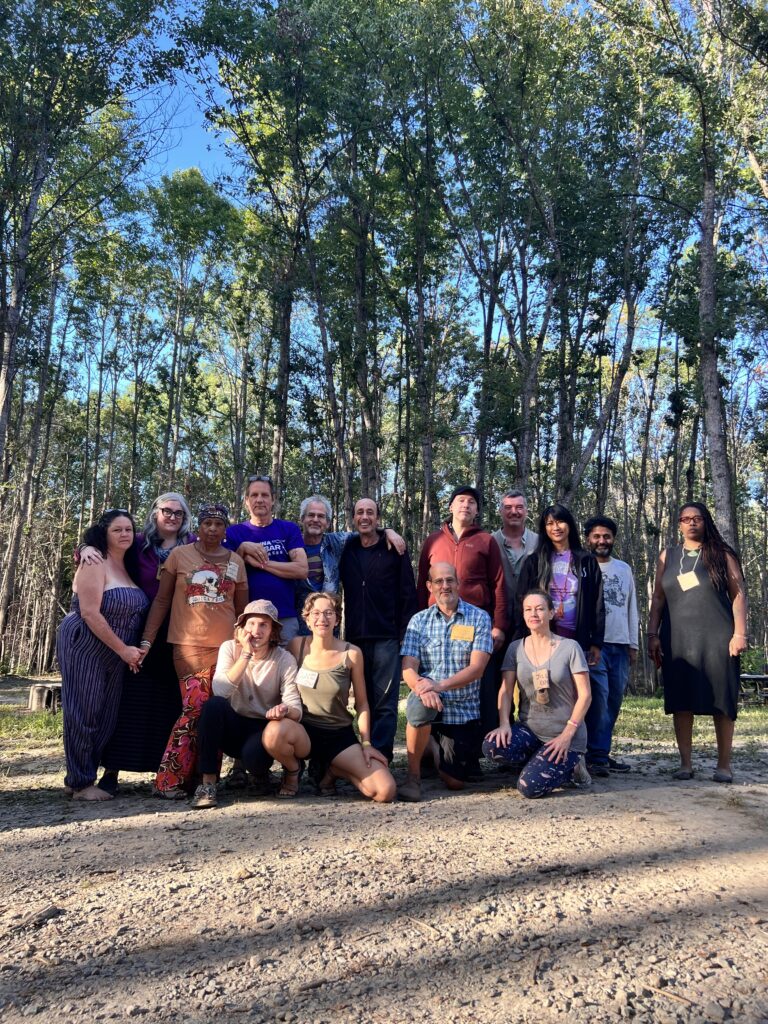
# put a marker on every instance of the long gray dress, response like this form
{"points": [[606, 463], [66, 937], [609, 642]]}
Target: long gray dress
{"points": [[698, 673]]}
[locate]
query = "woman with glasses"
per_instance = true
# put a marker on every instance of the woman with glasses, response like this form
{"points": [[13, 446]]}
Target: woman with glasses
{"points": [[150, 701], [696, 631], [94, 644], [328, 669]]}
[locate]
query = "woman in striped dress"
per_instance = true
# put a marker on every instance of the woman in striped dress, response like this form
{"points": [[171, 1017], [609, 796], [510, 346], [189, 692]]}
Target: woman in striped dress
{"points": [[94, 644]]}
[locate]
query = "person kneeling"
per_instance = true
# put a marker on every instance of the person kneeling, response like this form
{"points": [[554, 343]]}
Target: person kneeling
{"points": [[553, 677], [255, 709]]}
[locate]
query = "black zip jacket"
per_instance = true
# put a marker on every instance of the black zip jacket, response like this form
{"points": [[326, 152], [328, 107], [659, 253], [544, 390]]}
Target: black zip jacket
{"points": [[590, 609], [380, 600]]}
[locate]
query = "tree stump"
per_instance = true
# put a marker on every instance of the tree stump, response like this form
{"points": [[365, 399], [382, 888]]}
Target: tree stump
{"points": [[44, 697]]}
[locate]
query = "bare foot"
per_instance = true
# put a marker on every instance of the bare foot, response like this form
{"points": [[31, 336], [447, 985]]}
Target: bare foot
{"points": [[450, 782], [91, 793]]}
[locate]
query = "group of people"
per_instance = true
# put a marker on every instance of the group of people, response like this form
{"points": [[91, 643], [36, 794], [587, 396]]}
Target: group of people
{"points": [[184, 646]]}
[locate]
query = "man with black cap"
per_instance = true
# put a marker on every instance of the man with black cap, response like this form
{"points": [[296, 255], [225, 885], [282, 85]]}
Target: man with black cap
{"points": [[477, 559]]}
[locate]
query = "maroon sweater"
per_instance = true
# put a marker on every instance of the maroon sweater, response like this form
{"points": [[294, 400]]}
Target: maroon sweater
{"points": [[478, 563]]}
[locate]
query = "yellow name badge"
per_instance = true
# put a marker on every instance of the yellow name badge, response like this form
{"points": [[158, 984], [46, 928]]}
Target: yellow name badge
{"points": [[688, 580], [462, 633]]}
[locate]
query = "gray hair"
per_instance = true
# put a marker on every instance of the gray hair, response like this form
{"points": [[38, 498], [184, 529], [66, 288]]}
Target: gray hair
{"points": [[151, 535], [514, 494], [315, 499]]}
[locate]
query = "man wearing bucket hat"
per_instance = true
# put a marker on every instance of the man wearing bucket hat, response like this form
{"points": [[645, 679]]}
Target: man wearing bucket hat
{"points": [[255, 710]]}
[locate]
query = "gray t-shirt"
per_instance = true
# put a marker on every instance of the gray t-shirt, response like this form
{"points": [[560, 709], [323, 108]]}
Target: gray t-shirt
{"points": [[549, 720]]}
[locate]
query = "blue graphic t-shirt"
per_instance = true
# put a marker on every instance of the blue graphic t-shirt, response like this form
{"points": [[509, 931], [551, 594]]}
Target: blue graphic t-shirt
{"points": [[280, 537], [563, 588]]}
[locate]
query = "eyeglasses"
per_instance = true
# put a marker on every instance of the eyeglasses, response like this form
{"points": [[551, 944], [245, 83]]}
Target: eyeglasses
{"points": [[260, 480], [172, 513], [443, 581], [322, 615], [691, 520]]}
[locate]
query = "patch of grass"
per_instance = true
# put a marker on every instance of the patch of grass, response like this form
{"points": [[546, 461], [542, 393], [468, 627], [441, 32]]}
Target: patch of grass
{"points": [[643, 718], [30, 725]]}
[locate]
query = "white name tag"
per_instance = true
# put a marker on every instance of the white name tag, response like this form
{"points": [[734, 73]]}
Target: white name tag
{"points": [[688, 580], [231, 573], [306, 677]]}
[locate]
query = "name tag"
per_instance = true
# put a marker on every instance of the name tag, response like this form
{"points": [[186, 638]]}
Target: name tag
{"points": [[231, 573], [462, 632], [688, 580], [306, 677]]}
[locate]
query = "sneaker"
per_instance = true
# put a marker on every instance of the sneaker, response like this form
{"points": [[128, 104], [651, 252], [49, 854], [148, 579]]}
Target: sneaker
{"points": [[205, 796], [598, 771], [410, 791], [618, 766], [173, 793], [581, 776]]}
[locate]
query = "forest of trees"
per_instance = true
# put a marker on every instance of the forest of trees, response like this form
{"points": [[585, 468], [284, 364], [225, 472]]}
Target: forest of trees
{"points": [[507, 242]]}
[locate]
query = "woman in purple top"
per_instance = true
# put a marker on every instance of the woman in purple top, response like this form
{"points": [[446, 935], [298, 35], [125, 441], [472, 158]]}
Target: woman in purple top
{"points": [[150, 702]]}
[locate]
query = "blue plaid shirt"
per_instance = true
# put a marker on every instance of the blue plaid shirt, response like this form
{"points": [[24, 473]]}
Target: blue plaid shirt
{"points": [[428, 639]]}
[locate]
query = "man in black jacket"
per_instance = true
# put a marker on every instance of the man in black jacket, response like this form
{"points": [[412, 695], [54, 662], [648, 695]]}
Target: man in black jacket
{"points": [[379, 600]]}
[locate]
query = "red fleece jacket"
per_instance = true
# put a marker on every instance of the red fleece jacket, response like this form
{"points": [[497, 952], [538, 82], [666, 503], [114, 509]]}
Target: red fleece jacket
{"points": [[478, 563]]}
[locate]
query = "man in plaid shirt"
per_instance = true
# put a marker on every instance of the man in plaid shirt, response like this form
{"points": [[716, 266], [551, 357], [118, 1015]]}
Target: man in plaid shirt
{"points": [[445, 651]]}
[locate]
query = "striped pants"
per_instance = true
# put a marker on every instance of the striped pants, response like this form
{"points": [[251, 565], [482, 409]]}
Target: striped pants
{"points": [[92, 681]]}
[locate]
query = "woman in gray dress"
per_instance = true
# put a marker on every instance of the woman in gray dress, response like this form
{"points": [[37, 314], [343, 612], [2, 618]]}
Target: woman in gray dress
{"points": [[696, 631]]}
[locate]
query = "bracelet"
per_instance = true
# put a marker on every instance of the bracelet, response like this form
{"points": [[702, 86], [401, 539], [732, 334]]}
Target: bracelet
{"points": [[574, 724], [365, 743], [741, 636], [651, 634], [247, 655], [145, 643]]}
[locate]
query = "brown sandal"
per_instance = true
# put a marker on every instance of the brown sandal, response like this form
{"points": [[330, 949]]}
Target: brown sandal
{"points": [[289, 787]]}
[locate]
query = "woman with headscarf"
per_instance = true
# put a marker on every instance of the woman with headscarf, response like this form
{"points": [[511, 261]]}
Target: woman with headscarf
{"points": [[205, 588]]}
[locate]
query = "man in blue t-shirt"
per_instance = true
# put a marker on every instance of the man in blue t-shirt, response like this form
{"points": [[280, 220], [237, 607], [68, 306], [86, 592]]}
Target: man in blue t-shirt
{"points": [[273, 551]]}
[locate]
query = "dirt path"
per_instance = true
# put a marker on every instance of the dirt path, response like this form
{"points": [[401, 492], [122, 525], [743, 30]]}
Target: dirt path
{"points": [[639, 898]]}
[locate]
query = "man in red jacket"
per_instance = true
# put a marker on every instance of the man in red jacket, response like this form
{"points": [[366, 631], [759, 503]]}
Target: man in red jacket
{"points": [[478, 563]]}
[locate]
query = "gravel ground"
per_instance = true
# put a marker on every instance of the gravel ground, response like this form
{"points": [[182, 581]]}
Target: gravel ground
{"points": [[640, 898]]}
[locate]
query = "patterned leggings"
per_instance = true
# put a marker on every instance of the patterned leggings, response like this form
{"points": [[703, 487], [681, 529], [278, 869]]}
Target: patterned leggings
{"points": [[179, 765], [539, 776]]}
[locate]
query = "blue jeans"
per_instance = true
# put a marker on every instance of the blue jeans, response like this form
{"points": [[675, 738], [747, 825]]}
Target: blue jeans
{"points": [[539, 775], [382, 665], [609, 681]]}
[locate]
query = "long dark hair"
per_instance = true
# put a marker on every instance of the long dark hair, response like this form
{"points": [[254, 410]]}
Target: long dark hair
{"points": [[545, 548], [714, 550], [96, 537]]}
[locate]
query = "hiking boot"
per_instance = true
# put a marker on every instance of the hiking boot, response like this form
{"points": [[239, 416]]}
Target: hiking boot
{"points": [[598, 771], [618, 766], [205, 796], [410, 790]]}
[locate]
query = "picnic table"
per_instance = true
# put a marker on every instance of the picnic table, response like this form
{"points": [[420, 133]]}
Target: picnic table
{"points": [[753, 689]]}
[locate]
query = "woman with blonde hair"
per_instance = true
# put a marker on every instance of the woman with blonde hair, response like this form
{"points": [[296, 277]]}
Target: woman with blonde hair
{"points": [[328, 670]]}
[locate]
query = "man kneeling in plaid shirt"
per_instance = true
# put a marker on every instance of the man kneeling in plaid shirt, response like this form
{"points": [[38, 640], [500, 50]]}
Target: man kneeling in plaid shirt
{"points": [[445, 651]]}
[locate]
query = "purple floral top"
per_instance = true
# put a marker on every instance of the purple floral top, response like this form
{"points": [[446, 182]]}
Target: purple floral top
{"points": [[149, 564]]}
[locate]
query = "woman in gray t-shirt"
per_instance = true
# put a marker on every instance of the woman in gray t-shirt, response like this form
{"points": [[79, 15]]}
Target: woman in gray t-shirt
{"points": [[553, 677]]}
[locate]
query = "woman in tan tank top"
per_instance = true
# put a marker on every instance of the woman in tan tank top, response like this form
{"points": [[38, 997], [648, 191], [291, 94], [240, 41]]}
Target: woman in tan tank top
{"points": [[328, 668]]}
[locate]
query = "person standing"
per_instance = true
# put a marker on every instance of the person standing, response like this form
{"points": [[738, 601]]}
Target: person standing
{"points": [[324, 548], [95, 642], [696, 631], [477, 560], [619, 650], [273, 552], [379, 600], [515, 541]]}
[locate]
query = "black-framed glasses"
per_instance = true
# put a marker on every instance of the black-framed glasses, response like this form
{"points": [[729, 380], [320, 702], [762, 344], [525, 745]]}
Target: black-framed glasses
{"points": [[172, 513]]}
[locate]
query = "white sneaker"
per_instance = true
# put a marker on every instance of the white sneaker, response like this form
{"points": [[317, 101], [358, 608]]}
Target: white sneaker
{"points": [[581, 776]]}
